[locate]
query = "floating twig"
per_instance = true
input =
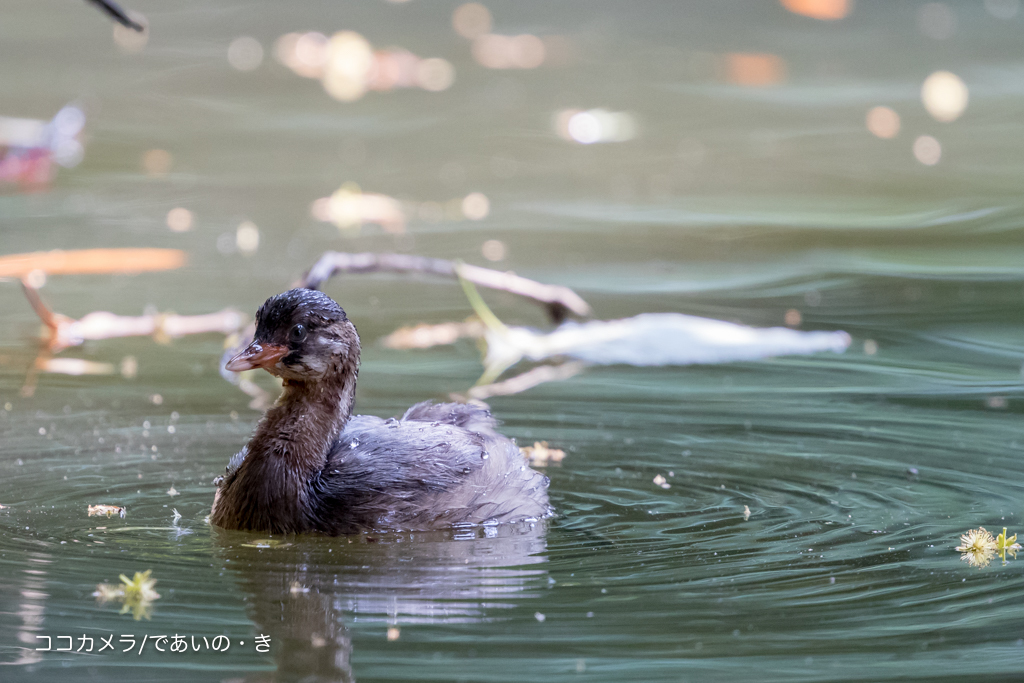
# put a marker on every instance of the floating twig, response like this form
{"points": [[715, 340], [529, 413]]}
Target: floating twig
{"points": [[560, 301], [63, 331]]}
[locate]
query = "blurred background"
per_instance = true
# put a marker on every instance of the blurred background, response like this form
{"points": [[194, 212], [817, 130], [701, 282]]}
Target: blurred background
{"points": [[820, 164]]}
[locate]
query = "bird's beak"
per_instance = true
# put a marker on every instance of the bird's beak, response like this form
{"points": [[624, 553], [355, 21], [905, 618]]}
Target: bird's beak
{"points": [[257, 355]]}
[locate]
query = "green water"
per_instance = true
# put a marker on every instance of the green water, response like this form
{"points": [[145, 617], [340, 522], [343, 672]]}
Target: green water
{"points": [[860, 471]]}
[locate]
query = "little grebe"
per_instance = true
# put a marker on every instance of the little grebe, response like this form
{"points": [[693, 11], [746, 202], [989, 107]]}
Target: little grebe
{"points": [[313, 466]]}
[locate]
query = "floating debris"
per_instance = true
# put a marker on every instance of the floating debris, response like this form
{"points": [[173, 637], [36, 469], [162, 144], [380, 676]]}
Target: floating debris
{"points": [[648, 339], [978, 547], [136, 594], [107, 510], [266, 543], [662, 482], [1006, 545], [540, 454], [173, 492], [746, 513], [394, 633]]}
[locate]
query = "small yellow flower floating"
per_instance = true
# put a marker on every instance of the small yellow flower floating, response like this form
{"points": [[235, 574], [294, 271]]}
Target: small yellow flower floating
{"points": [[980, 547], [1006, 545], [136, 593]]}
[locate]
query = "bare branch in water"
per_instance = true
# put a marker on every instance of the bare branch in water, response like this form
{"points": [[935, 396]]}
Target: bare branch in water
{"points": [[63, 331], [560, 301], [118, 14]]}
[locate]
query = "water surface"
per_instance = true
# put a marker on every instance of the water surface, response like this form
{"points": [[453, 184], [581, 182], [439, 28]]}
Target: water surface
{"points": [[859, 471]]}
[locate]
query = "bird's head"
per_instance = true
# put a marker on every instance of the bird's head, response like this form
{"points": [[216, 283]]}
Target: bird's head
{"points": [[301, 335]]}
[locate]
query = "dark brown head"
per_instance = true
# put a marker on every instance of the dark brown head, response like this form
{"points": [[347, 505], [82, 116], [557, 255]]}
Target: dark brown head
{"points": [[301, 335]]}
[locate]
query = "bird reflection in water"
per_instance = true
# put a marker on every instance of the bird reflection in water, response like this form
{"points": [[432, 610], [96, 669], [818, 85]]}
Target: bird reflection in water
{"points": [[304, 590]]}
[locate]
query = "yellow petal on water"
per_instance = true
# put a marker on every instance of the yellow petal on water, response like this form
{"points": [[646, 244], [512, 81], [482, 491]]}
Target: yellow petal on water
{"points": [[140, 586], [978, 547], [136, 593], [1007, 545], [977, 540]]}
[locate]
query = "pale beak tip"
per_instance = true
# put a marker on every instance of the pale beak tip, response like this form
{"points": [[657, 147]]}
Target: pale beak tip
{"points": [[238, 364]]}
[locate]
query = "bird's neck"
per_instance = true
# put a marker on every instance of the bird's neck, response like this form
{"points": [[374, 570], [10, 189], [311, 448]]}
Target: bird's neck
{"points": [[299, 431]]}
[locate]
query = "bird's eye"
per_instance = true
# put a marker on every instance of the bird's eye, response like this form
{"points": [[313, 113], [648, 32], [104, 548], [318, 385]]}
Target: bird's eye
{"points": [[297, 333]]}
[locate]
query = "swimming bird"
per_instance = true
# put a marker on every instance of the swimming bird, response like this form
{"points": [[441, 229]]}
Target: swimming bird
{"points": [[312, 466]]}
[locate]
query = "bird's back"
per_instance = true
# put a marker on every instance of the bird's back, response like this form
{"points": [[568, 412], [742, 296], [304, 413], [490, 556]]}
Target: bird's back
{"points": [[438, 466]]}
